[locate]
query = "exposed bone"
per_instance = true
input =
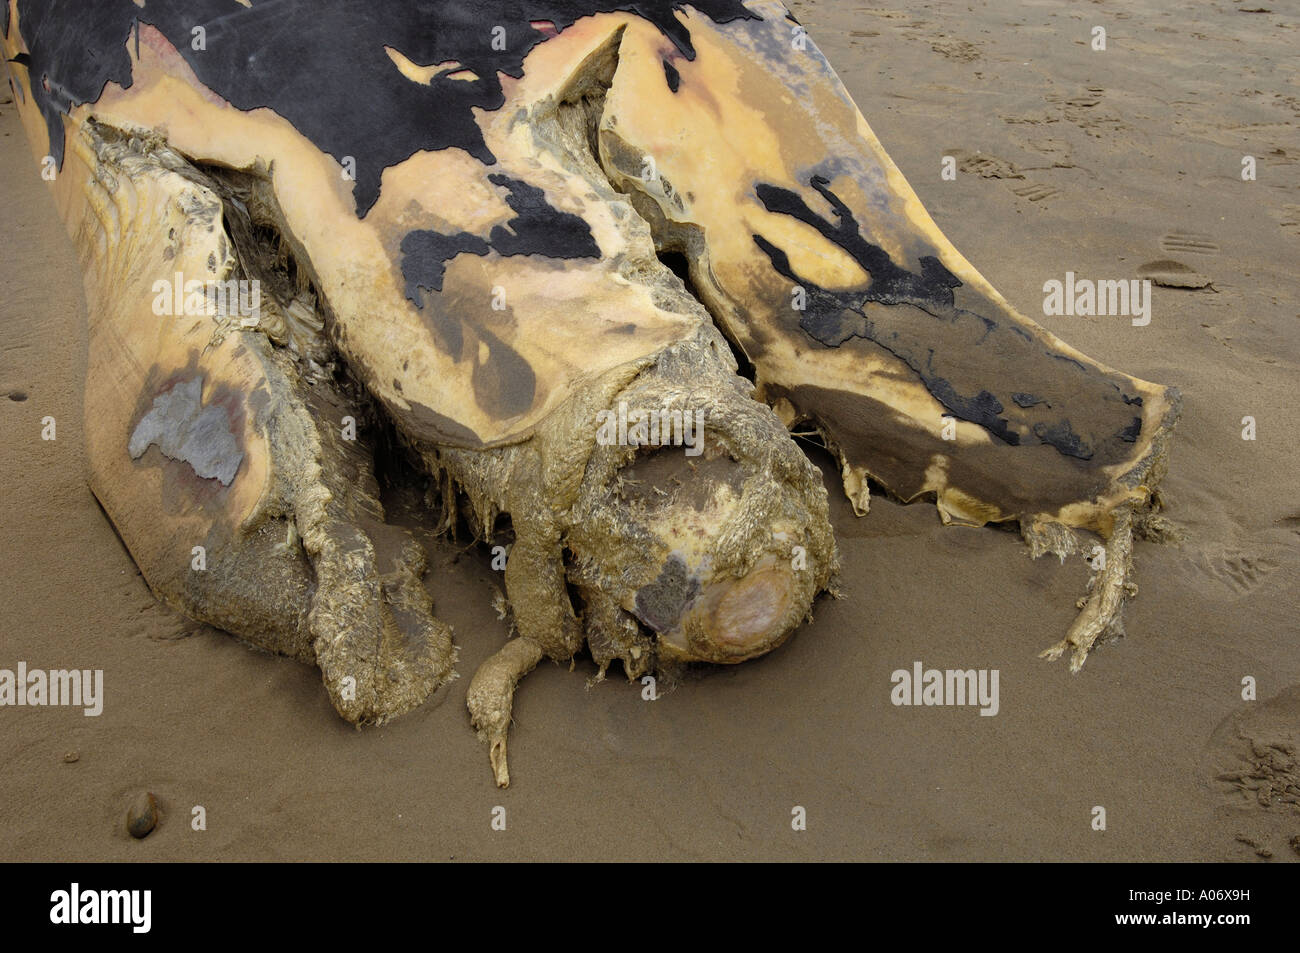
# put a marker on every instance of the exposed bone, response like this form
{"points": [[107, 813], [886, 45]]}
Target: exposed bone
{"points": [[1108, 587], [560, 488], [491, 698]]}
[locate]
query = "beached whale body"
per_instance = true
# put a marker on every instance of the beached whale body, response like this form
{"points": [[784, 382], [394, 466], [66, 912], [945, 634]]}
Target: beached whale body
{"points": [[308, 226]]}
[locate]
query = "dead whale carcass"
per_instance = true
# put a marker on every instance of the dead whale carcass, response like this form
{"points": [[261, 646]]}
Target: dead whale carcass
{"points": [[454, 221]]}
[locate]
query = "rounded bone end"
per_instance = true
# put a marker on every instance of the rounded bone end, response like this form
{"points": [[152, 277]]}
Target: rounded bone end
{"points": [[749, 616], [733, 619], [712, 552]]}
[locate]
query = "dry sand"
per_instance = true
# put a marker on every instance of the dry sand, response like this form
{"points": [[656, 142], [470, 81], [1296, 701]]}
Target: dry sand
{"points": [[1093, 162]]}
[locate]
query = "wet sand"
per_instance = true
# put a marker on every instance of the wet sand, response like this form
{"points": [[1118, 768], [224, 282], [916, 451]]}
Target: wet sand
{"points": [[1071, 160]]}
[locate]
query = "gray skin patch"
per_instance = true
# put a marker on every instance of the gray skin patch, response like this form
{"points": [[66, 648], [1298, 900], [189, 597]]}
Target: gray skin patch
{"points": [[660, 604], [186, 431]]}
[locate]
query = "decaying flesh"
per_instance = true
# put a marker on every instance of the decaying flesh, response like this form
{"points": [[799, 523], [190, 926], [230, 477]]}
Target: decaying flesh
{"points": [[490, 312], [711, 558], [917, 373]]}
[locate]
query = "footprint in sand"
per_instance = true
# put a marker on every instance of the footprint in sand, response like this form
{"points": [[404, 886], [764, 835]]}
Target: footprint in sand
{"points": [[1080, 108], [1057, 150], [1080, 100], [962, 51], [989, 166], [1252, 764], [984, 164], [1188, 243], [1288, 524], [1036, 191], [1238, 572], [1172, 274]]}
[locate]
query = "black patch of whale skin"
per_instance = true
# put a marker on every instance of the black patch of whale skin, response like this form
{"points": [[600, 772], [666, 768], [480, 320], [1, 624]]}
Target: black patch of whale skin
{"points": [[927, 294], [982, 408], [1062, 436], [425, 254], [890, 283], [74, 49], [660, 604], [674, 78], [322, 64], [538, 228], [832, 318]]}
